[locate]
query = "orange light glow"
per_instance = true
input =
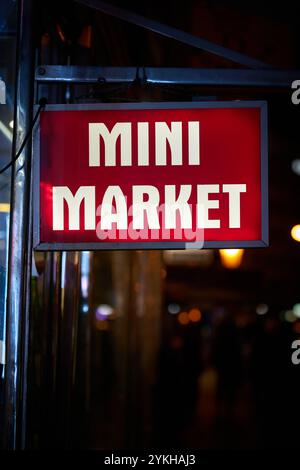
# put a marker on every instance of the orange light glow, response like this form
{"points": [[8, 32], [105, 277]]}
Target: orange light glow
{"points": [[102, 325], [183, 318], [85, 39], [231, 258], [296, 327], [4, 207], [195, 315], [163, 273]]}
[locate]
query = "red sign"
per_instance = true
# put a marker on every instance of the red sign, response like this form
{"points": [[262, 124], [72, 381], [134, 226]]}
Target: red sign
{"points": [[156, 175]]}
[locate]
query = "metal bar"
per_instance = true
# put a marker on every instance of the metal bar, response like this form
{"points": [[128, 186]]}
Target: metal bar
{"points": [[68, 349], [174, 33], [221, 77], [107, 246], [82, 74], [25, 333], [19, 256], [163, 75]]}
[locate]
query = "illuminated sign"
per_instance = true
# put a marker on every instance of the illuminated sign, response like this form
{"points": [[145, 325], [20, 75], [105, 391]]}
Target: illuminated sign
{"points": [[151, 175]]}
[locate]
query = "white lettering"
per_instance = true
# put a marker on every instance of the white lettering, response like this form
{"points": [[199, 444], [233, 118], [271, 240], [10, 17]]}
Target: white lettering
{"points": [[194, 143], [173, 136], [108, 215], [234, 191], [140, 207], [120, 130], [63, 194], [204, 204], [143, 143], [172, 205]]}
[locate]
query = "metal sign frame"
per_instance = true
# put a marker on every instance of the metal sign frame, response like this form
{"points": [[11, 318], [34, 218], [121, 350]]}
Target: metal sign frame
{"points": [[263, 242]]}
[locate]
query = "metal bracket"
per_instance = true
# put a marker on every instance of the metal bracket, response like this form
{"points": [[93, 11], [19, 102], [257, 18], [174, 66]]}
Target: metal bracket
{"points": [[172, 76]]}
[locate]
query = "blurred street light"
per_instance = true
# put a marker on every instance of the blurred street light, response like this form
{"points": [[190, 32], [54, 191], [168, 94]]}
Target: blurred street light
{"points": [[183, 318], [296, 166], [295, 233], [262, 309], [195, 315], [231, 258]]}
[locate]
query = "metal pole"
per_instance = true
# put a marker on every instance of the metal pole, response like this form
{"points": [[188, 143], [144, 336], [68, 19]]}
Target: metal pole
{"points": [[19, 265], [55, 74]]}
